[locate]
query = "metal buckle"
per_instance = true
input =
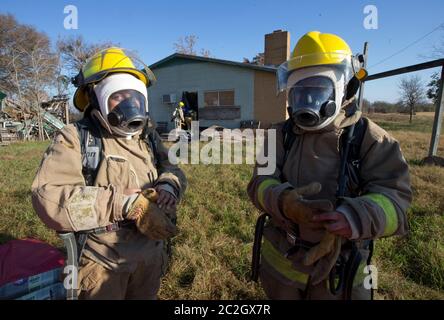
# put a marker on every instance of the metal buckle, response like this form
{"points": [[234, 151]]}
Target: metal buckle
{"points": [[291, 238], [112, 227], [356, 163]]}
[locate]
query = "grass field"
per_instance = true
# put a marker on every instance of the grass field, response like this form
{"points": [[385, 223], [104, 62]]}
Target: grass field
{"points": [[216, 219]]}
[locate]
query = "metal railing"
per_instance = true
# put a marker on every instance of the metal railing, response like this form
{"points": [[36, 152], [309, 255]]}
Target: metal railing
{"points": [[437, 122]]}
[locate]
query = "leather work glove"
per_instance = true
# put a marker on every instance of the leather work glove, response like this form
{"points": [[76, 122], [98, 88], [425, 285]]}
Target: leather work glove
{"points": [[150, 219], [336, 227], [324, 247], [300, 210], [325, 263]]}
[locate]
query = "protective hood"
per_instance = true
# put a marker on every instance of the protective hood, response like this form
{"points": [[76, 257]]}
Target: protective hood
{"points": [[123, 103], [315, 96]]}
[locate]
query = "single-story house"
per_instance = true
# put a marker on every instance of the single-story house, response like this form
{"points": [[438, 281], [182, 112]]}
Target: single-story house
{"points": [[221, 92]]}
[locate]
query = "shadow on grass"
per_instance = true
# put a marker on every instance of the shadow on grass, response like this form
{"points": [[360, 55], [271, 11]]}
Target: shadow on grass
{"points": [[427, 162], [186, 278], [23, 194], [414, 162]]}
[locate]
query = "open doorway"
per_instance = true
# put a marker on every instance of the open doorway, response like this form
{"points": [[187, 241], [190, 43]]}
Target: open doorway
{"points": [[191, 109]]}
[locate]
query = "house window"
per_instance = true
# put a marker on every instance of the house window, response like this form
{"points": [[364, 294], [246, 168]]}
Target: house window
{"points": [[219, 98]]}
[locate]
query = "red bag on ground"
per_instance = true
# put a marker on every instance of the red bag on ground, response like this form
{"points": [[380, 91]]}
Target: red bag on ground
{"points": [[27, 257]]}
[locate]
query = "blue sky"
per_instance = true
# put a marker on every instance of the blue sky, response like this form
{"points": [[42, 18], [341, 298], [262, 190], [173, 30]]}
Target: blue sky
{"points": [[235, 29]]}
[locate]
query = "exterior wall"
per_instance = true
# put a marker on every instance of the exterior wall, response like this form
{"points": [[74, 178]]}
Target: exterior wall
{"points": [[268, 108], [277, 47], [181, 75]]}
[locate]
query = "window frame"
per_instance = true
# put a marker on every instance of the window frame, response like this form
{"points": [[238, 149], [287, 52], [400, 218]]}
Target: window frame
{"points": [[218, 97]]}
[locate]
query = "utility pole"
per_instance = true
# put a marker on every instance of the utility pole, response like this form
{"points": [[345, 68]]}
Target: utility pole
{"points": [[438, 118]]}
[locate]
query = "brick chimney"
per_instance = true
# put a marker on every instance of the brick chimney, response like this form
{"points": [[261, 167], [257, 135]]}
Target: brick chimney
{"points": [[277, 47], [268, 107]]}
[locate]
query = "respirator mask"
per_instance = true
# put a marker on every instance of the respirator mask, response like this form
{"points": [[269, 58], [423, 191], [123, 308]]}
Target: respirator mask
{"points": [[123, 103], [315, 96]]}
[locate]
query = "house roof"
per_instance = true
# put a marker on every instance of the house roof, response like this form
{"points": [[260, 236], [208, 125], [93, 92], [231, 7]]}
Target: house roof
{"points": [[212, 60]]}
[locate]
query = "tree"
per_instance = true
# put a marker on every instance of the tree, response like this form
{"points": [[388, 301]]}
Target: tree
{"points": [[433, 87], [75, 51], [258, 59], [205, 53], [27, 65], [43, 72], [22, 50], [384, 107], [366, 105], [187, 45], [412, 93]]}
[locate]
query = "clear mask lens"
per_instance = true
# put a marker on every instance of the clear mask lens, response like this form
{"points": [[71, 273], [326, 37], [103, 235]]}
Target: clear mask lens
{"points": [[311, 93]]}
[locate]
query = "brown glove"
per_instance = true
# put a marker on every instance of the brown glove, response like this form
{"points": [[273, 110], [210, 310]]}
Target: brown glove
{"points": [[325, 263], [326, 246], [150, 219], [300, 210]]}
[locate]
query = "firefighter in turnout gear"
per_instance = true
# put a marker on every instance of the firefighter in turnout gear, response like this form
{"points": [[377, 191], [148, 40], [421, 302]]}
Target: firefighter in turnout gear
{"points": [[340, 182], [107, 179]]}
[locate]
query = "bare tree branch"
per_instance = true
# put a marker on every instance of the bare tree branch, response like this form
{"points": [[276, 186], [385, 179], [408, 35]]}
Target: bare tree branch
{"points": [[75, 51], [412, 93], [187, 45]]}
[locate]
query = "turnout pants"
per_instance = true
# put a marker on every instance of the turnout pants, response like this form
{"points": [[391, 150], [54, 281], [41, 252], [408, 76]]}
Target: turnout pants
{"points": [[99, 283]]}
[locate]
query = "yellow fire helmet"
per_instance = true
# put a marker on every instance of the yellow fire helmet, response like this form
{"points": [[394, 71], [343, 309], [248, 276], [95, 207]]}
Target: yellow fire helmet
{"points": [[318, 49], [106, 62]]}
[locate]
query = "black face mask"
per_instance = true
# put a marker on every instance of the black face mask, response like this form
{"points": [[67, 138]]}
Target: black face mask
{"points": [[129, 115]]}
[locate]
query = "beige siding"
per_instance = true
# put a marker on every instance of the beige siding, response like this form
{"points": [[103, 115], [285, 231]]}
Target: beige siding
{"points": [[268, 108]]}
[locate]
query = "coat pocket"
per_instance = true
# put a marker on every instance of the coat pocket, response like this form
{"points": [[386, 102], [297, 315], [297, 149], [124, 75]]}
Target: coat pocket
{"points": [[120, 173]]}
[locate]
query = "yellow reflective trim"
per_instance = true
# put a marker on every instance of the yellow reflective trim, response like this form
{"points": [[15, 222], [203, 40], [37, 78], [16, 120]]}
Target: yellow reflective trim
{"points": [[281, 264], [360, 275], [261, 189], [391, 218]]}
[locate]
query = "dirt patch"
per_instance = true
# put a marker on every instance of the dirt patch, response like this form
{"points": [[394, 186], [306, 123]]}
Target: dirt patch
{"points": [[6, 157]]}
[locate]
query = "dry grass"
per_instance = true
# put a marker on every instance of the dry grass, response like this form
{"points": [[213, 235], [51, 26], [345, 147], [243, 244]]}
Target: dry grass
{"points": [[212, 253], [413, 267]]}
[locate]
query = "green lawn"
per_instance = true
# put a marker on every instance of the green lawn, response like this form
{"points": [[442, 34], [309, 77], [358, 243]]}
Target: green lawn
{"points": [[212, 252]]}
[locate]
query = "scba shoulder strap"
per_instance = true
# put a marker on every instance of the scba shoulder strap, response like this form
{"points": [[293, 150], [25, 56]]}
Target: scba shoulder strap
{"points": [[350, 158], [350, 151], [91, 147]]}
